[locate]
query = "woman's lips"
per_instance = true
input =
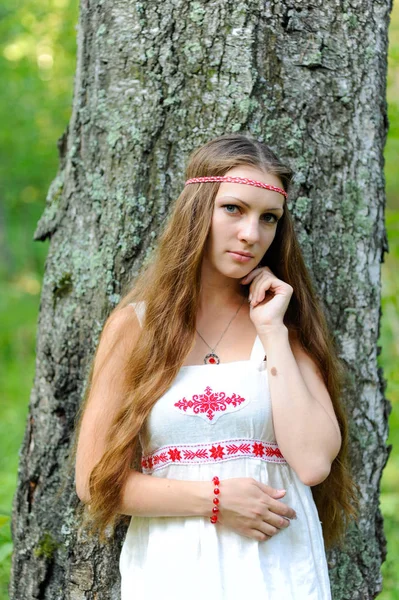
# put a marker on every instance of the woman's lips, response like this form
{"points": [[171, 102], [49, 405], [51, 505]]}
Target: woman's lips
{"points": [[240, 257]]}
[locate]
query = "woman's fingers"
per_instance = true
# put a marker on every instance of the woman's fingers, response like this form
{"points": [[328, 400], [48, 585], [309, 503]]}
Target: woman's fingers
{"points": [[253, 508], [251, 275], [261, 283], [279, 508], [265, 531], [255, 534], [261, 286], [269, 527], [268, 530], [277, 521], [274, 505]]}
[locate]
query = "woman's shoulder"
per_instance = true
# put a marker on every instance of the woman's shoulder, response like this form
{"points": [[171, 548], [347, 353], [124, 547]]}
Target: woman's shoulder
{"points": [[119, 335], [139, 309], [120, 322]]}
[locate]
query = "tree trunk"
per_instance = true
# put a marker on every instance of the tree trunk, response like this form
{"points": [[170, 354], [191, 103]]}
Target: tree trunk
{"points": [[154, 81]]}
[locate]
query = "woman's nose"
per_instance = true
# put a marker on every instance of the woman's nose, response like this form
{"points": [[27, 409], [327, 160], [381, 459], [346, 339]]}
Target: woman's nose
{"points": [[249, 231]]}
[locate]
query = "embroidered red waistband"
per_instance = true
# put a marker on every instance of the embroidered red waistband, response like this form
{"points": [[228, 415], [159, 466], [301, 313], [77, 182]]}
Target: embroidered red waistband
{"points": [[186, 454]]}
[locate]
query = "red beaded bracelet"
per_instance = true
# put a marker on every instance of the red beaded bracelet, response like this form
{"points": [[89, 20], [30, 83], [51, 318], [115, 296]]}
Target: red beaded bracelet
{"points": [[216, 491]]}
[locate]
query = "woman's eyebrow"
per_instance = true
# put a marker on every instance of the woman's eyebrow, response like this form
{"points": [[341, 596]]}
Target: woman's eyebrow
{"points": [[280, 208]]}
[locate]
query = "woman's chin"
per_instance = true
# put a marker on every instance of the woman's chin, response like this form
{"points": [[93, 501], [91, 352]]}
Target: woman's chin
{"points": [[237, 272]]}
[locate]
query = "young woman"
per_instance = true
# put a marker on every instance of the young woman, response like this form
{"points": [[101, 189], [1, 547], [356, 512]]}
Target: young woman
{"points": [[213, 417]]}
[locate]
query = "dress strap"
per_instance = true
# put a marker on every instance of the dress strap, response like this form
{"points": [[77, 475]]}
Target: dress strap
{"points": [[258, 351], [139, 307]]}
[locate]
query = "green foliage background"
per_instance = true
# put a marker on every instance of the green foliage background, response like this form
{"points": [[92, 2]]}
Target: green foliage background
{"points": [[37, 62]]}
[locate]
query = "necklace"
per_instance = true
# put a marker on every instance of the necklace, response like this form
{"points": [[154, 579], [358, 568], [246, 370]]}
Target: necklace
{"points": [[212, 358]]}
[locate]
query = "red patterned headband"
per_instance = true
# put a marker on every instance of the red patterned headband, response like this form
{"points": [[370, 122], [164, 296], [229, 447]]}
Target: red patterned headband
{"points": [[266, 186]]}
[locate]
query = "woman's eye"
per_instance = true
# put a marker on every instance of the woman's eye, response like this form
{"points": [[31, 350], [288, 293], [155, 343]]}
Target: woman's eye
{"points": [[274, 218], [228, 206], [231, 209]]}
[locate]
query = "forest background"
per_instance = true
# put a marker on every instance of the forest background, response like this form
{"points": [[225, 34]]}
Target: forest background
{"points": [[37, 65]]}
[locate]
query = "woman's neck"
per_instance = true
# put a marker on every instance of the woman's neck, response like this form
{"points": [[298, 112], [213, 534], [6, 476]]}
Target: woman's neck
{"points": [[218, 290], [217, 294]]}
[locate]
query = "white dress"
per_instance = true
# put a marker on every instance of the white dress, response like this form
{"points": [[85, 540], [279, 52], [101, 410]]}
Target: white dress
{"points": [[217, 420]]}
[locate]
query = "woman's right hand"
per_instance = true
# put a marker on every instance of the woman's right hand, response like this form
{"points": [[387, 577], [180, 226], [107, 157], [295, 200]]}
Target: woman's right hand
{"points": [[252, 508]]}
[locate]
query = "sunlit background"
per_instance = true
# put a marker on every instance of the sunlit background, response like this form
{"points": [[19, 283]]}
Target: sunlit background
{"points": [[37, 64]]}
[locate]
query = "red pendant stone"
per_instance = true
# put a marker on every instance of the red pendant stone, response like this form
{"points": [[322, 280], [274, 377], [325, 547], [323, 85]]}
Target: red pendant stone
{"points": [[211, 359], [216, 491], [215, 509], [216, 480], [216, 500]]}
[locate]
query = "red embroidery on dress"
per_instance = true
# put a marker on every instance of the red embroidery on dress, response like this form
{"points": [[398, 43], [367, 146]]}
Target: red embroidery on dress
{"points": [[258, 450], [242, 448], [174, 454], [273, 452], [159, 458], [217, 452], [209, 403], [191, 455]]}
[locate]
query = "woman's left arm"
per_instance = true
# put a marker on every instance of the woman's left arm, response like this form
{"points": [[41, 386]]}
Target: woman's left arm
{"points": [[305, 424]]}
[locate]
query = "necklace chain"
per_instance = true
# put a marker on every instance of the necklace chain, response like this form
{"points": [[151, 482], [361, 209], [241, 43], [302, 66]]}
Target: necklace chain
{"points": [[228, 325]]}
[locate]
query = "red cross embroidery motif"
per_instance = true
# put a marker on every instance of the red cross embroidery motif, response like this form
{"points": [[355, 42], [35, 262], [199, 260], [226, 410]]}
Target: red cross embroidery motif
{"points": [[210, 405], [258, 449]]}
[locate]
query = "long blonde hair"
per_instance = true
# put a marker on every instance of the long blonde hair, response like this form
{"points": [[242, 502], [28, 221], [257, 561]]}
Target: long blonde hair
{"points": [[170, 289]]}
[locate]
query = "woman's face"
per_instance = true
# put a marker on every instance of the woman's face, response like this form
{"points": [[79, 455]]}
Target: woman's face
{"points": [[244, 220]]}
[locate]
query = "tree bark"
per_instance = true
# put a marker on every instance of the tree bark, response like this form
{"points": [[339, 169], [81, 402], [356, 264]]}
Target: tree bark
{"points": [[153, 81]]}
